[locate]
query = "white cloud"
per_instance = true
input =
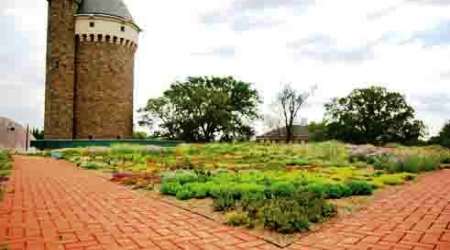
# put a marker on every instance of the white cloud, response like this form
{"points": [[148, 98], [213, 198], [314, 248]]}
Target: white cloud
{"points": [[369, 42]]}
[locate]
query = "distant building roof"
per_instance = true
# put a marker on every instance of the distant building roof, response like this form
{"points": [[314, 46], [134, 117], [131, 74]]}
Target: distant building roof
{"points": [[12, 134], [300, 132], [105, 7]]}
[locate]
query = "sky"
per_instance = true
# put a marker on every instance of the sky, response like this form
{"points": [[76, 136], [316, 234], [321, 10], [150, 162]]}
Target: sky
{"points": [[338, 45]]}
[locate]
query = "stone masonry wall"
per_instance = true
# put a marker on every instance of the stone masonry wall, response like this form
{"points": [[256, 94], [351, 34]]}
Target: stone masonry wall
{"points": [[59, 89], [104, 90]]}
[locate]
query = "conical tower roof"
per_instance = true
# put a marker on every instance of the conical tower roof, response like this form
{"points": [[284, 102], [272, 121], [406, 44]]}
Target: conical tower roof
{"points": [[105, 7]]}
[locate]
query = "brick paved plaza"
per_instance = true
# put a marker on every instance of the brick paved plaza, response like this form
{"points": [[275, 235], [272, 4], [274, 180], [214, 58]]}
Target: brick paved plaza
{"points": [[51, 205]]}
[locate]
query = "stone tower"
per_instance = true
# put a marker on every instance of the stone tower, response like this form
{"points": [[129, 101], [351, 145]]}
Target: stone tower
{"points": [[90, 61]]}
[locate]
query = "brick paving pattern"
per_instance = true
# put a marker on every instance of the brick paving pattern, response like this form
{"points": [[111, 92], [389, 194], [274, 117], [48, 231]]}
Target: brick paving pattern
{"points": [[50, 205]]}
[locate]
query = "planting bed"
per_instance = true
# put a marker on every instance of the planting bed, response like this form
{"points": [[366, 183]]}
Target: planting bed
{"points": [[5, 170], [276, 191]]}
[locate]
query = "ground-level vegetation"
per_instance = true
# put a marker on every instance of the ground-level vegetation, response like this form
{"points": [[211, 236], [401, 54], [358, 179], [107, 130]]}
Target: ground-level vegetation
{"points": [[5, 169], [283, 188]]}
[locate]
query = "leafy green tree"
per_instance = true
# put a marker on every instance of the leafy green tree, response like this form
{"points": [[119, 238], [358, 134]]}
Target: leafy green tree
{"points": [[373, 115], [318, 132], [204, 109], [37, 133], [443, 138]]}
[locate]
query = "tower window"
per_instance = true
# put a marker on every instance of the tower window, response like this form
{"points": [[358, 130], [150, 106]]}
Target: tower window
{"points": [[122, 28], [56, 66], [91, 24]]}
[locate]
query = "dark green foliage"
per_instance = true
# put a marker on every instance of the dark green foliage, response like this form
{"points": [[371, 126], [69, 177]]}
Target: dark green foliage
{"points": [[318, 132], [373, 115], [282, 189], [329, 210], [334, 191], [244, 188], [445, 158], [199, 190], [294, 214], [170, 188], [37, 133], [284, 216], [443, 138], [225, 201], [185, 194], [360, 188], [297, 162], [252, 202], [5, 163], [346, 190], [330, 190], [5, 168], [202, 108], [92, 165]]}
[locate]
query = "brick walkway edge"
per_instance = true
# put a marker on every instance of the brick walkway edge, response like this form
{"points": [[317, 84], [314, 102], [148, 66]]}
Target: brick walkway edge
{"points": [[52, 205]]}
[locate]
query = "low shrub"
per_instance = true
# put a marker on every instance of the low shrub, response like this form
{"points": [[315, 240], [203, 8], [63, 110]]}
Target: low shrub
{"points": [[92, 165], [294, 214], [199, 190], [5, 169], [297, 162], [360, 188], [170, 188], [395, 179], [252, 202], [328, 210], [284, 216], [237, 219], [282, 189], [242, 188], [184, 193], [445, 158], [224, 202], [330, 190]]}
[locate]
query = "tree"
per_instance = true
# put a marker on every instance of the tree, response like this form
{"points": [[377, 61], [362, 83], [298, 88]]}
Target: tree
{"points": [[318, 132], [373, 115], [37, 133], [443, 138], [290, 101], [273, 121], [203, 109]]}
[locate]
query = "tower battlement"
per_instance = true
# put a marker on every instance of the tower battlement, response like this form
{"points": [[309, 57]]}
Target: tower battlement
{"points": [[90, 64]]}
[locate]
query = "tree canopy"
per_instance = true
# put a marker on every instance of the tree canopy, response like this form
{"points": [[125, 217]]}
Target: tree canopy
{"points": [[203, 109], [443, 138], [37, 133], [318, 131], [373, 115]]}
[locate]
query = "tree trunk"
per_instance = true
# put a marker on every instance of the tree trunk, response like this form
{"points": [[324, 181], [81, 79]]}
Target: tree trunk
{"points": [[289, 133]]}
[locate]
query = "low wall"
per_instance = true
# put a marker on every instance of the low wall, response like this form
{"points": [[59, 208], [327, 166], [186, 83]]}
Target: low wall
{"points": [[58, 144]]}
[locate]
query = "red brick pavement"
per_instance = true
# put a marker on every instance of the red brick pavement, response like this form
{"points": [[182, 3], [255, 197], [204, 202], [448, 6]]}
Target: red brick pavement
{"points": [[52, 205]]}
